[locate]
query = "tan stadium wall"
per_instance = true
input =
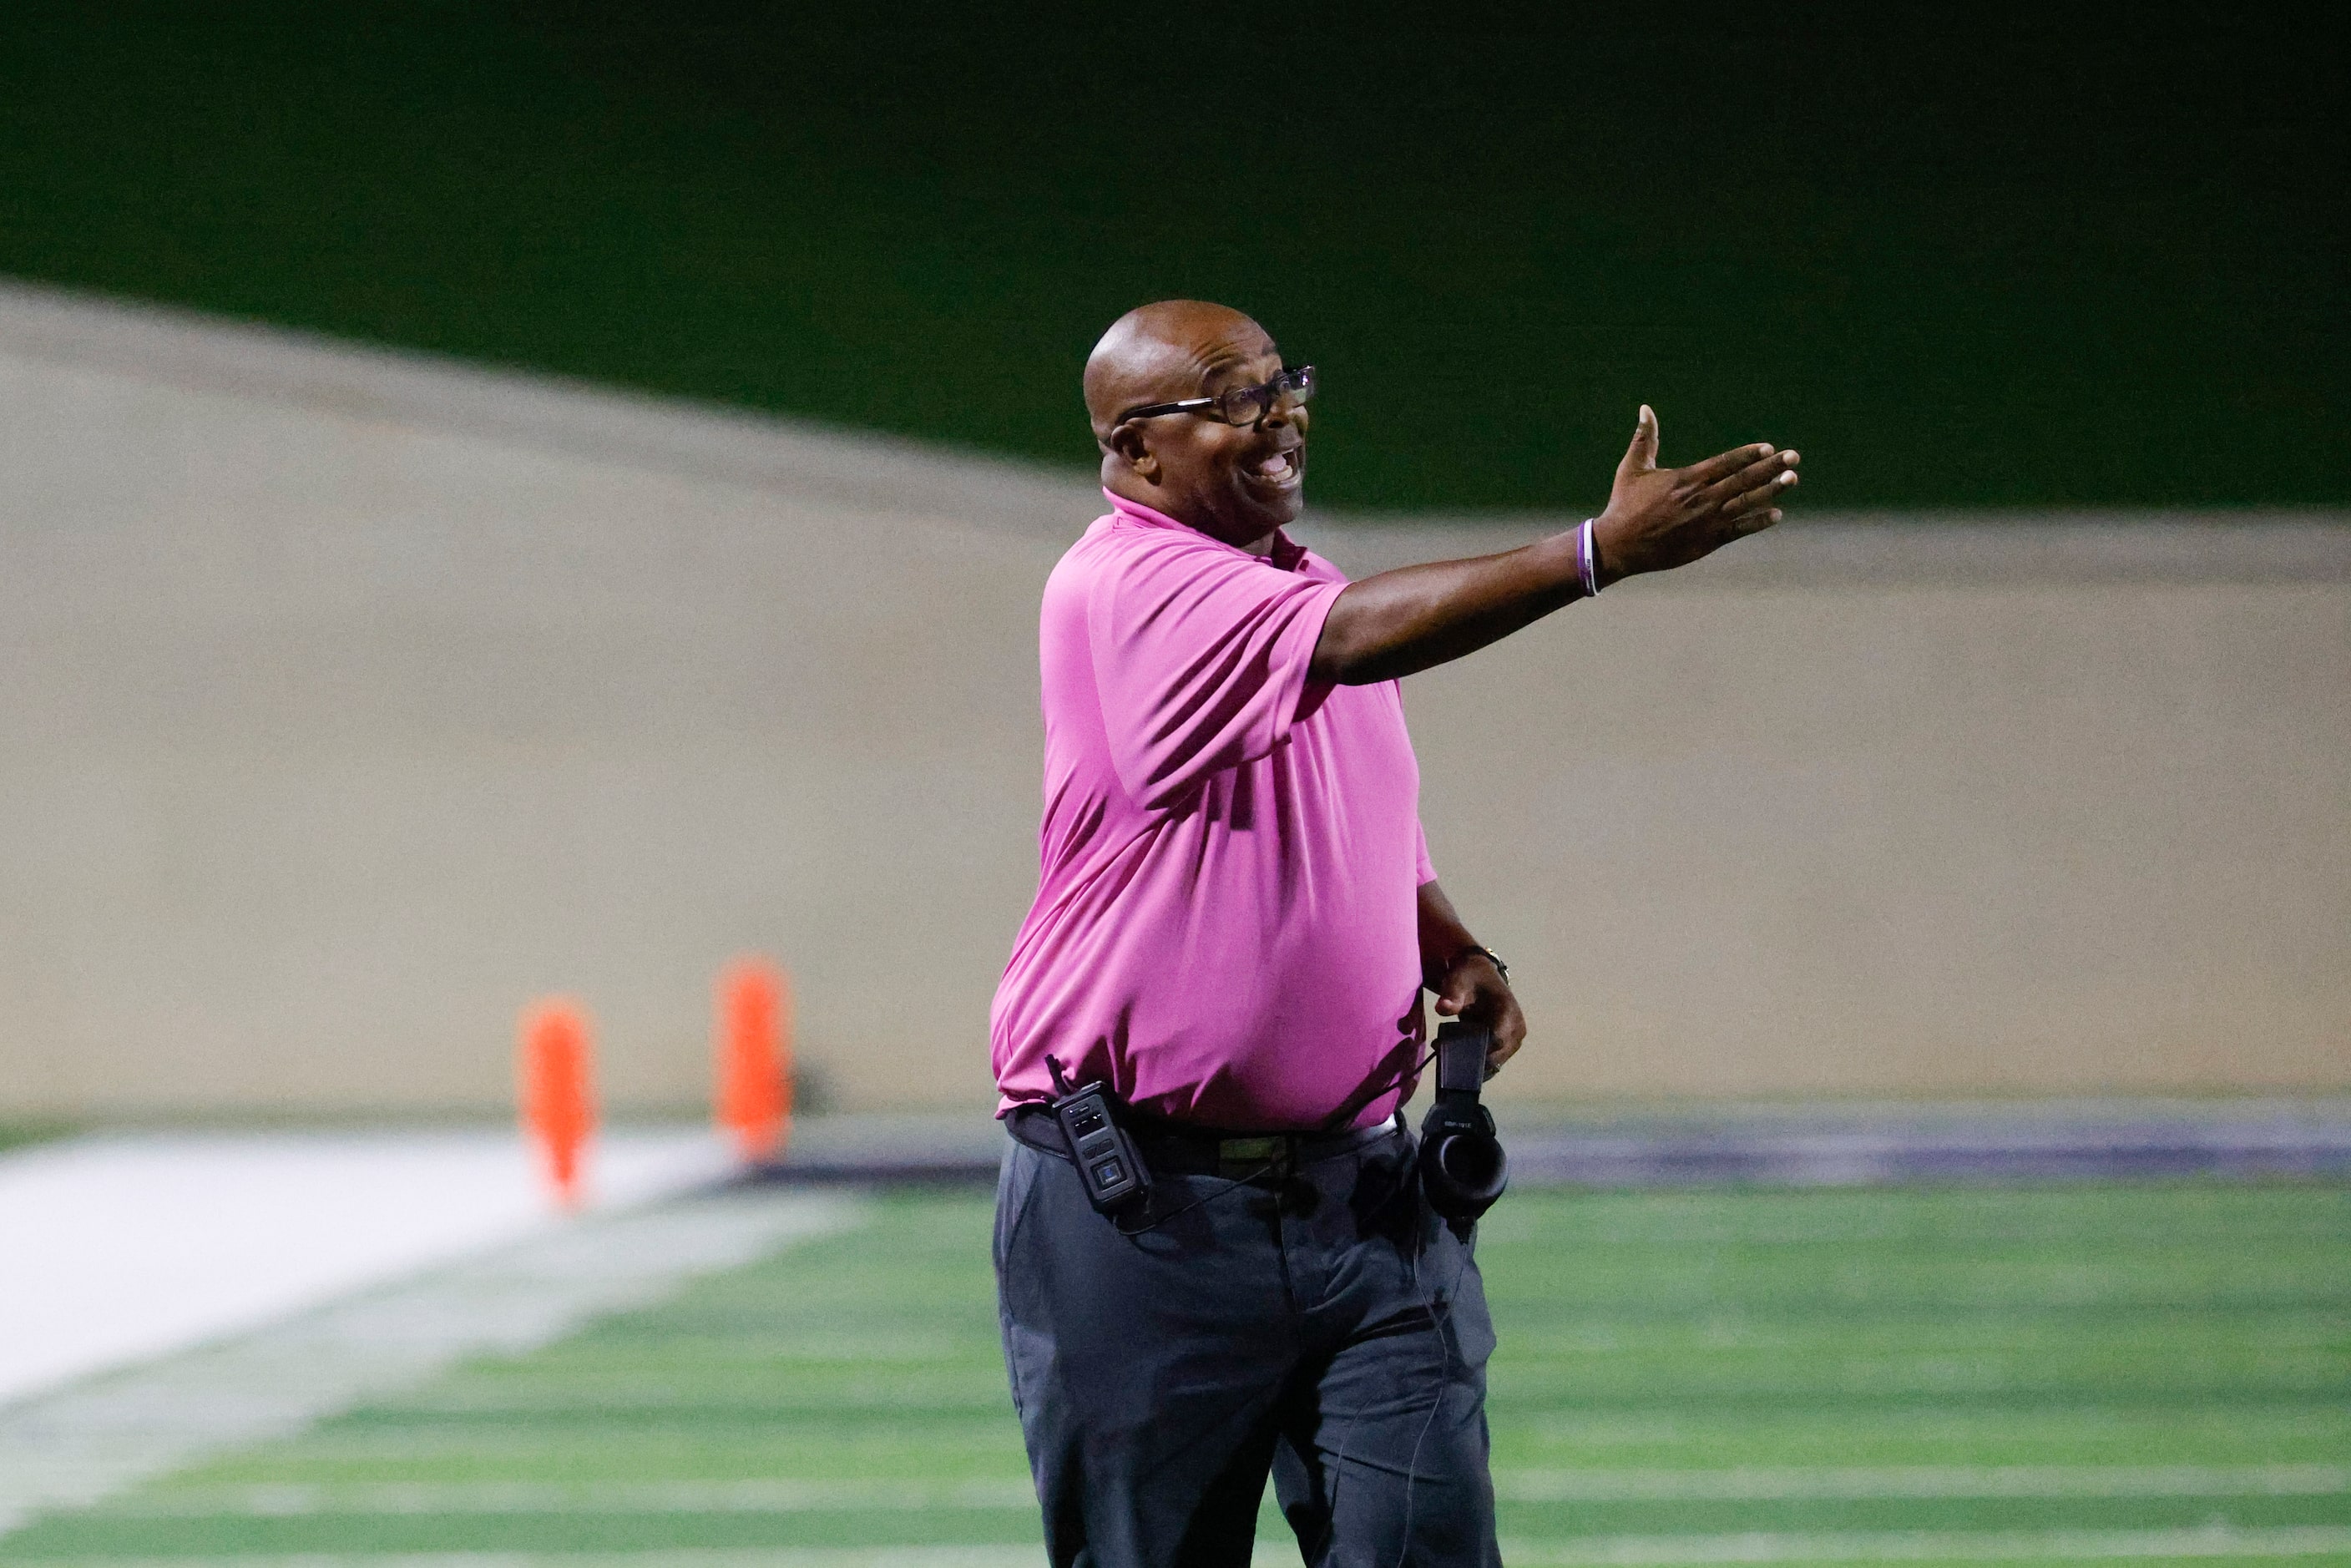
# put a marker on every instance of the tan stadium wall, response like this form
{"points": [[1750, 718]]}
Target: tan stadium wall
{"points": [[350, 701]]}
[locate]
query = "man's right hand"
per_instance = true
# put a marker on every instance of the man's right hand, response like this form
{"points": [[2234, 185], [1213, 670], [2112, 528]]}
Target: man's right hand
{"points": [[1389, 626], [1663, 518]]}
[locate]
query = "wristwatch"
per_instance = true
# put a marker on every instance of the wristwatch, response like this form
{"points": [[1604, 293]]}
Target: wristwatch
{"points": [[1492, 957]]}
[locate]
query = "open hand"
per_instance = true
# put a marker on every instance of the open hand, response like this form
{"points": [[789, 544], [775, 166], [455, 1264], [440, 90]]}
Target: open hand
{"points": [[1663, 518]]}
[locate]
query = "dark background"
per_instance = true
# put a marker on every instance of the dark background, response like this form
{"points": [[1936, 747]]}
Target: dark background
{"points": [[2078, 259]]}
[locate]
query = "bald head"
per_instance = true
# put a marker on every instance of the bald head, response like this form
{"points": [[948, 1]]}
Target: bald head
{"points": [[1164, 351], [1237, 483]]}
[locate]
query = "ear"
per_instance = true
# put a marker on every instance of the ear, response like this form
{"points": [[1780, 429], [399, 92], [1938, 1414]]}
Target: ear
{"points": [[1129, 443]]}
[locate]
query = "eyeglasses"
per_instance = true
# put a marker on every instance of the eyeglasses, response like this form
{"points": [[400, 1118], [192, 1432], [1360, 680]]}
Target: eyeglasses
{"points": [[1239, 405]]}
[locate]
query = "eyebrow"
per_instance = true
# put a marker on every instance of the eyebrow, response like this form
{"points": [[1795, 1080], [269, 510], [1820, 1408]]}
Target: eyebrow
{"points": [[1231, 364]]}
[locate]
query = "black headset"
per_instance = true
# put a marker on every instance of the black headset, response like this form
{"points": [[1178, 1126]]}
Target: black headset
{"points": [[1462, 1166]]}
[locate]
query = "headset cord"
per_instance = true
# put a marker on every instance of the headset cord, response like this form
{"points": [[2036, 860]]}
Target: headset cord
{"points": [[1242, 1180], [1248, 1176], [1437, 1324]]}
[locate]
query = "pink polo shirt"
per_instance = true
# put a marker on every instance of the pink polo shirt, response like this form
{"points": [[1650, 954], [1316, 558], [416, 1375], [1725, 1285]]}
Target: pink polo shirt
{"points": [[1225, 927]]}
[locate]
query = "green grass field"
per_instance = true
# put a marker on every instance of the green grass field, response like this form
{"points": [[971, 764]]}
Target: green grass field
{"points": [[2059, 1374], [15, 1134]]}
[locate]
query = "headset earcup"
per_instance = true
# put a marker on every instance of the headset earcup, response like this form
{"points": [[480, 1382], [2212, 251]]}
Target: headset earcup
{"points": [[1462, 1173], [1477, 1166]]}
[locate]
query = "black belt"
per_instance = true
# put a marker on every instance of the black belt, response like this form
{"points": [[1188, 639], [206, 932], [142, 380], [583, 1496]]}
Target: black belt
{"points": [[1173, 1149]]}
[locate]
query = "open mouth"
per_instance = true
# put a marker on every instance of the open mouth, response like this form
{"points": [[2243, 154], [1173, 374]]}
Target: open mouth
{"points": [[1278, 470]]}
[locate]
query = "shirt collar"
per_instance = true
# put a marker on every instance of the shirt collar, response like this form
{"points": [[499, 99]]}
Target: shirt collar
{"points": [[1288, 553]]}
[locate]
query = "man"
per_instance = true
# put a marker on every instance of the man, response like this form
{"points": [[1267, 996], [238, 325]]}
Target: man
{"points": [[1235, 921]]}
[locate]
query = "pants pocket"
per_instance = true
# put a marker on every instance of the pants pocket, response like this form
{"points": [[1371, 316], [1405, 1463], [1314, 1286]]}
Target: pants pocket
{"points": [[1015, 1185]]}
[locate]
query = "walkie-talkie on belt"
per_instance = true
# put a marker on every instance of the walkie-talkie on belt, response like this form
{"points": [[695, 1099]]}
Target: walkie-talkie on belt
{"points": [[1107, 1165]]}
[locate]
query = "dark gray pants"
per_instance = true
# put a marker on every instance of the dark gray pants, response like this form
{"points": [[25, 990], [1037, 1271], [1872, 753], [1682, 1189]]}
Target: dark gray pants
{"points": [[1326, 1327]]}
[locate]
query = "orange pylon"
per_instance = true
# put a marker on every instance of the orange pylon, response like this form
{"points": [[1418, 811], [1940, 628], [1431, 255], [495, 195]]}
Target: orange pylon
{"points": [[557, 1067], [752, 1094]]}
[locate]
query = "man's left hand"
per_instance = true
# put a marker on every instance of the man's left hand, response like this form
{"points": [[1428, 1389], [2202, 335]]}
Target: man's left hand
{"points": [[1473, 990]]}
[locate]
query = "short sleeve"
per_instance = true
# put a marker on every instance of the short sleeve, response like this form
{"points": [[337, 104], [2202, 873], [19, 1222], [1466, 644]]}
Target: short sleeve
{"points": [[1426, 871], [1200, 656]]}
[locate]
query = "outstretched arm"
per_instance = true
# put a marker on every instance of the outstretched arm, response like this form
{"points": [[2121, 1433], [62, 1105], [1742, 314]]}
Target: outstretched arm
{"points": [[1405, 621]]}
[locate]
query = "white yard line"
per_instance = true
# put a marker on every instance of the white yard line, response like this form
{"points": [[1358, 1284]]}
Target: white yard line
{"points": [[124, 1247], [1773, 1483], [75, 1447], [303, 1500], [282, 1500], [1934, 1545], [2217, 1543]]}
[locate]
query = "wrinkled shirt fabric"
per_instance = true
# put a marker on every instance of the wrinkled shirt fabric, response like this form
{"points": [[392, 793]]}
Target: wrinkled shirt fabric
{"points": [[1225, 927]]}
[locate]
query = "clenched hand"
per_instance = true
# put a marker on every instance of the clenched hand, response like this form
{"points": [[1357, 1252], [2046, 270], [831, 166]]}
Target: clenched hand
{"points": [[1475, 990]]}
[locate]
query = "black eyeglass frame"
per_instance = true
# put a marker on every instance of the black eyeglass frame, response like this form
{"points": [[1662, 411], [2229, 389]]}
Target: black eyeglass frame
{"points": [[1295, 384]]}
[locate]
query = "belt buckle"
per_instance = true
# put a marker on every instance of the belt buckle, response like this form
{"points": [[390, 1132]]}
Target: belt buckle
{"points": [[1238, 1159]]}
